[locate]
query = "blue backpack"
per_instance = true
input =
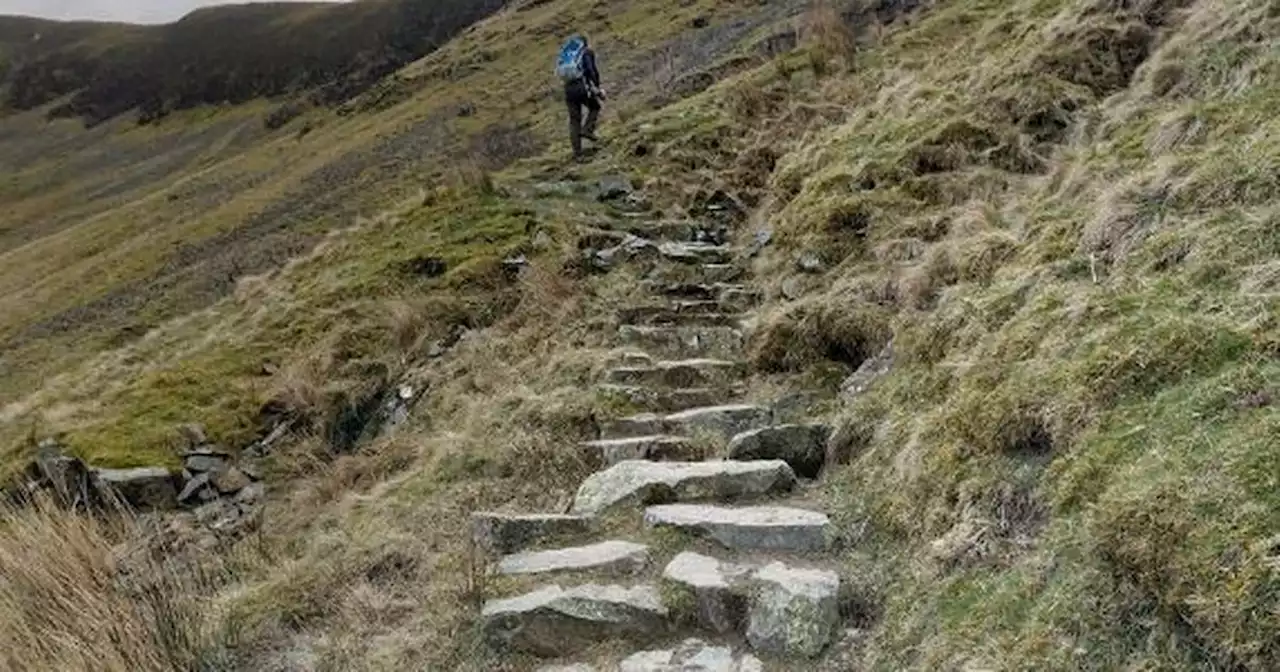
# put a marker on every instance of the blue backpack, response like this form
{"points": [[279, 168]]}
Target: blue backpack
{"points": [[569, 65]]}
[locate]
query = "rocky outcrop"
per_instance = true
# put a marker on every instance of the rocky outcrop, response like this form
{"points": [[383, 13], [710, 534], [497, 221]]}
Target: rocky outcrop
{"points": [[555, 621], [639, 482], [210, 472], [794, 612], [614, 187], [145, 488], [67, 478], [629, 248], [804, 447], [220, 497], [867, 374]]}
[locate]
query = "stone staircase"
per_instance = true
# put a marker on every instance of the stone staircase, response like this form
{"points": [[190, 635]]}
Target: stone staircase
{"points": [[687, 563]]}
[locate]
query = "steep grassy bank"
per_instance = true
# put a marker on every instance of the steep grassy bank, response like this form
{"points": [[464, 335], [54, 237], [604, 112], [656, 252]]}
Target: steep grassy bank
{"points": [[1063, 214]]}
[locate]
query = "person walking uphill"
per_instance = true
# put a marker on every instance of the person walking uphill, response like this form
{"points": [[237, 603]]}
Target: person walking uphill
{"points": [[577, 68]]}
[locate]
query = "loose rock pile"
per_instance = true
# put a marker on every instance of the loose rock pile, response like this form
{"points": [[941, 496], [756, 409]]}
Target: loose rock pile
{"points": [[212, 490]]}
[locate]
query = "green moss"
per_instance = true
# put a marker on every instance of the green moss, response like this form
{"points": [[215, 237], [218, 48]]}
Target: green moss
{"points": [[142, 431]]}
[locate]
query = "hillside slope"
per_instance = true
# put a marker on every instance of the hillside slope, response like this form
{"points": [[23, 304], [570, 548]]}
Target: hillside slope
{"points": [[1042, 231], [116, 230], [330, 50]]}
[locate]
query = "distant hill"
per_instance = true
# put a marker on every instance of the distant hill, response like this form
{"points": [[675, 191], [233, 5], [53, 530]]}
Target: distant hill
{"points": [[98, 71]]}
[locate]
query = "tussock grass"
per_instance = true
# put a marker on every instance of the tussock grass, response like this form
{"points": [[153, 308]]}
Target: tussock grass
{"points": [[831, 39], [73, 600], [813, 332]]}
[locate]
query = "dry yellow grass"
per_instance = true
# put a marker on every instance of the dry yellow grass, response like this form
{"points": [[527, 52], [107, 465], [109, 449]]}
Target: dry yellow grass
{"points": [[830, 37], [74, 599]]}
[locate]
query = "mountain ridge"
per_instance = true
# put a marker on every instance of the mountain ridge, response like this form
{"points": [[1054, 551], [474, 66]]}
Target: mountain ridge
{"points": [[322, 52]]}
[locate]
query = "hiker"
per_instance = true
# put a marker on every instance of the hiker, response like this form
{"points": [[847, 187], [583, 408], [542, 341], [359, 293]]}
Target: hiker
{"points": [[577, 68]]}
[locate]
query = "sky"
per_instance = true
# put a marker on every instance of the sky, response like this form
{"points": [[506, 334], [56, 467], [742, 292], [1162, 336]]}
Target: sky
{"points": [[133, 11]]}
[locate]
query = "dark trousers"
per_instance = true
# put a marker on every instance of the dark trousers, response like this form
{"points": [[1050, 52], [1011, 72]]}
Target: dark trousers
{"points": [[577, 97]]}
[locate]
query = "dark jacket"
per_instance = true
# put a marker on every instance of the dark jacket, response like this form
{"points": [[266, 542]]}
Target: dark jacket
{"points": [[589, 71], [580, 89]]}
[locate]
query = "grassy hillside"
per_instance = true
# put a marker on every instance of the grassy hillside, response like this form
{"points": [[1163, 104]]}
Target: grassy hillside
{"points": [[1059, 212], [229, 54], [1062, 212], [119, 229]]}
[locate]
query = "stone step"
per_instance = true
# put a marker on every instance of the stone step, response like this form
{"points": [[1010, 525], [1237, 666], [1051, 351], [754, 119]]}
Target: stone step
{"points": [[731, 298], [682, 290], [644, 424], [702, 273], [717, 422], [557, 622], [679, 373], [591, 238], [692, 655], [612, 557], [713, 593], [605, 252], [695, 253], [680, 231], [638, 483], [709, 341], [721, 422], [659, 448], [661, 400], [503, 533], [632, 358], [739, 299], [705, 313], [714, 291], [784, 610], [774, 528]]}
